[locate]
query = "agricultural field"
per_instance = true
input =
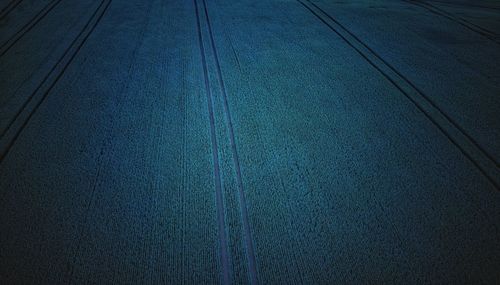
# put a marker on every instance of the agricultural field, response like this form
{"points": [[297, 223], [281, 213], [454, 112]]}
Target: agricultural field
{"points": [[249, 142]]}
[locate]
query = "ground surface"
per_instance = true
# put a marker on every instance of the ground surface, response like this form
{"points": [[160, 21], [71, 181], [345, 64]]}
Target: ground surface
{"points": [[272, 142]]}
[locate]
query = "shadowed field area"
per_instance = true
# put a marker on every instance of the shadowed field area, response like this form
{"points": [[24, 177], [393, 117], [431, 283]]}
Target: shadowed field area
{"points": [[249, 142]]}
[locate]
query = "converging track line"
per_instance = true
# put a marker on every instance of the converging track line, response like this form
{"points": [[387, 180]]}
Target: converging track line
{"points": [[9, 8], [6, 46], [421, 93], [467, 145], [223, 243], [464, 23], [6, 6], [465, 5], [243, 205], [4, 152]]}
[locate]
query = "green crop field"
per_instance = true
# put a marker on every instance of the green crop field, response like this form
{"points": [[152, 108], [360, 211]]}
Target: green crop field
{"points": [[249, 142]]}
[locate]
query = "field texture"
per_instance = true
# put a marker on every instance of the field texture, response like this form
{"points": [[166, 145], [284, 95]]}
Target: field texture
{"points": [[249, 142]]}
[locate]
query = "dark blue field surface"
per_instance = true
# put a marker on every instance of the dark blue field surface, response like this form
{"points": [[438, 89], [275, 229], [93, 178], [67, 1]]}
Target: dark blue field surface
{"points": [[249, 142]]}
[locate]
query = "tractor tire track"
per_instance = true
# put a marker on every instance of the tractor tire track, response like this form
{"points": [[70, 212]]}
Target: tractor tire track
{"points": [[465, 143], [464, 23], [9, 8], [468, 5], [223, 241], [82, 37], [6, 46], [243, 204]]}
